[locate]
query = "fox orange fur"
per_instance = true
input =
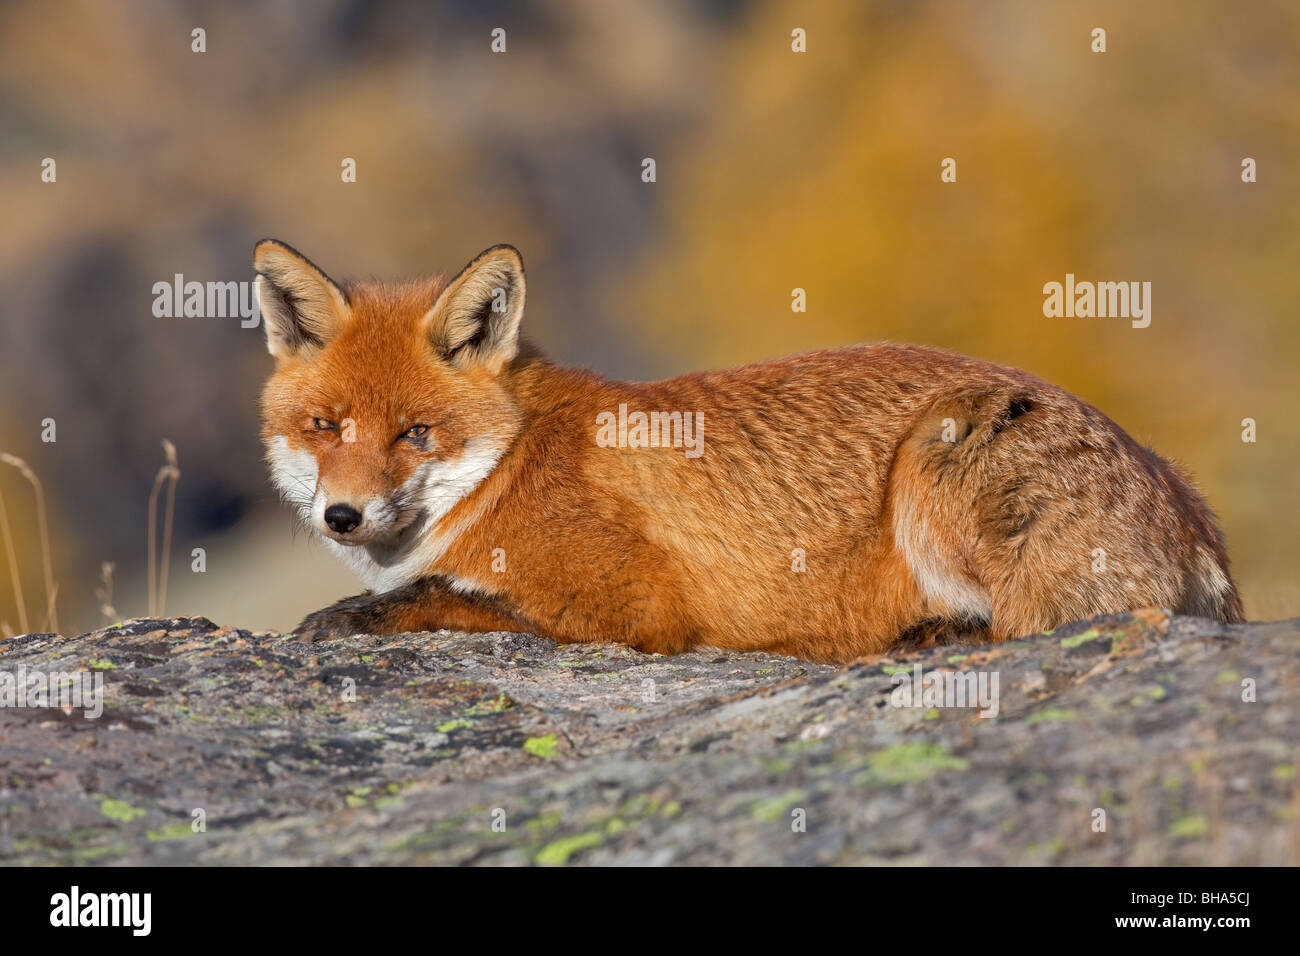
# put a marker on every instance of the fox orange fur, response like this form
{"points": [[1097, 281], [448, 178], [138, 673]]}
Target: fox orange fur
{"points": [[835, 504]]}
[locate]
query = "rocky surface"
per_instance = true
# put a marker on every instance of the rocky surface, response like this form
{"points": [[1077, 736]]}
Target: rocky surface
{"points": [[509, 749]]}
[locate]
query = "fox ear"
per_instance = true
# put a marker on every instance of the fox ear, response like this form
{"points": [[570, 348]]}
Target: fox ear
{"points": [[301, 306], [476, 318]]}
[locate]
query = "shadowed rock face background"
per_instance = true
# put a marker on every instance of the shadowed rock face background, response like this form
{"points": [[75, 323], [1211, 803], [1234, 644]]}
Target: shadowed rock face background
{"points": [[775, 171], [507, 749]]}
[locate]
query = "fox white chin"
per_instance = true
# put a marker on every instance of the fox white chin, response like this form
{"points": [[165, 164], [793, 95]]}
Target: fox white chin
{"points": [[398, 539]]}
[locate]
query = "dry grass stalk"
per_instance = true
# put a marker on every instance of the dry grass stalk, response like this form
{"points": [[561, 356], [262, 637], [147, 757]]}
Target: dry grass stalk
{"points": [[105, 591], [13, 568], [49, 610], [51, 588], [158, 578]]}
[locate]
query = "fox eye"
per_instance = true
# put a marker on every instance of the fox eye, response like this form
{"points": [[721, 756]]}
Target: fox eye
{"points": [[324, 424], [415, 432]]}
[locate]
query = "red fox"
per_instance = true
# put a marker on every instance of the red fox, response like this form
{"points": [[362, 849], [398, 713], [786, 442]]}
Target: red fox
{"points": [[825, 506]]}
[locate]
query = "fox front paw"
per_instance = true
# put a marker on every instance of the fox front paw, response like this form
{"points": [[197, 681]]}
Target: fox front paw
{"points": [[356, 615]]}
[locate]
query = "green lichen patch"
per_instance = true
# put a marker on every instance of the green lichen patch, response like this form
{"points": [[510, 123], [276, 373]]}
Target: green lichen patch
{"points": [[773, 809], [557, 852], [544, 746], [172, 831], [908, 763], [1077, 640], [1189, 827], [119, 810]]}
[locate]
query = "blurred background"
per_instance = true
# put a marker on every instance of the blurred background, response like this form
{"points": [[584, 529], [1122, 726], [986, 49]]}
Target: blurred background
{"points": [[774, 170]]}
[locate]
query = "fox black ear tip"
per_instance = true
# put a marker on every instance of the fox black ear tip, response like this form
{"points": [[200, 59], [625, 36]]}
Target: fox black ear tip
{"points": [[263, 246], [512, 252], [504, 247]]}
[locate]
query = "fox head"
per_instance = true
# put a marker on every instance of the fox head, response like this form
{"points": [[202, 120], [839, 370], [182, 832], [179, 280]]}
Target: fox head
{"points": [[388, 402]]}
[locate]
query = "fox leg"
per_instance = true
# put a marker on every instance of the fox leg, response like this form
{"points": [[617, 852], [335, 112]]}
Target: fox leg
{"points": [[425, 605]]}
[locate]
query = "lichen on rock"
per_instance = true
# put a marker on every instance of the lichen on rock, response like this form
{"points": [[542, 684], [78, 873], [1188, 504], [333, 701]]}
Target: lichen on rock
{"points": [[223, 746]]}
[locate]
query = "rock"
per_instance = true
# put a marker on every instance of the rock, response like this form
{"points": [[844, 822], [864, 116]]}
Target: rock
{"points": [[505, 748]]}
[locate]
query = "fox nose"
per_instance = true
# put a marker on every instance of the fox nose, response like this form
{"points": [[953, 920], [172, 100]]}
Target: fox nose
{"points": [[342, 518]]}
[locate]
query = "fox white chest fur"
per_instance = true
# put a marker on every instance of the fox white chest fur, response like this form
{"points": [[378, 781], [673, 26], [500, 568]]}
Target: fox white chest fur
{"points": [[414, 533]]}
